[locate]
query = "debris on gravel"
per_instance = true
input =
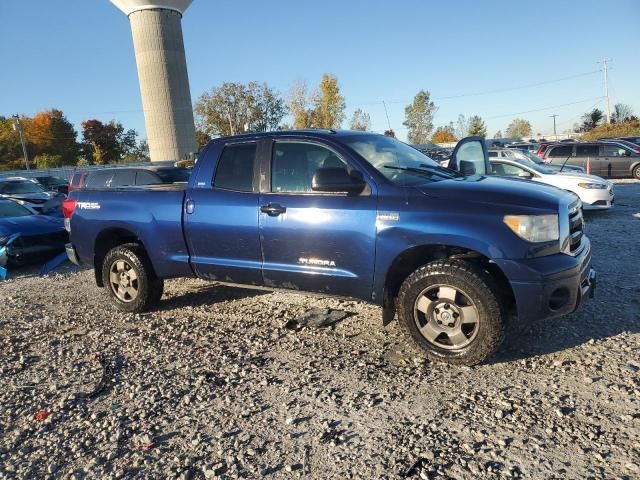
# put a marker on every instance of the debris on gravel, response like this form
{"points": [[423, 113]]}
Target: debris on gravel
{"points": [[213, 384]]}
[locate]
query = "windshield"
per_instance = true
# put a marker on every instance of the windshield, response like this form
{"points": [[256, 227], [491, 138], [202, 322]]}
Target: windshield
{"points": [[21, 187], [51, 181], [173, 175], [399, 162], [12, 209]]}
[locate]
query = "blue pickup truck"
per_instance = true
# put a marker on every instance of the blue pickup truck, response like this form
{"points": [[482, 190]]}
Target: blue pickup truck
{"points": [[453, 253]]}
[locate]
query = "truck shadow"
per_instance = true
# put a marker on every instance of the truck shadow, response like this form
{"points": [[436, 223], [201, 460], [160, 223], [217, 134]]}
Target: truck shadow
{"points": [[208, 294]]}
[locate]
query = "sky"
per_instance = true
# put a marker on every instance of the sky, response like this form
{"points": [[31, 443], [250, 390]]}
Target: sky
{"points": [[497, 59]]}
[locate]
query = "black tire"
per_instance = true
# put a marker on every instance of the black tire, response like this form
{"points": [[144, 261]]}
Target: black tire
{"points": [[636, 172], [139, 289], [452, 311]]}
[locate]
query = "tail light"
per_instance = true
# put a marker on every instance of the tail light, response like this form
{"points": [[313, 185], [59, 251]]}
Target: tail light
{"points": [[68, 206], [77, 181]]}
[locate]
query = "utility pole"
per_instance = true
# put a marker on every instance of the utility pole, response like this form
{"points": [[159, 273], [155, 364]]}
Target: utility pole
{"points": [[555, 135], [606, 89], [387, 114], [18, 127]]}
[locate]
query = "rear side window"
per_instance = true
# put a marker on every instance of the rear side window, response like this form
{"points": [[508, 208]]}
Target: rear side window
{"points": [[122, 178], [235, 168], [99, 179], [146, 178], [587, 150], [561, 151]]}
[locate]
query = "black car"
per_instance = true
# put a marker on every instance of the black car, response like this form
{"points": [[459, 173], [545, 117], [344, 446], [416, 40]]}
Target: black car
{"points": [[53, 184], [134, 176]]}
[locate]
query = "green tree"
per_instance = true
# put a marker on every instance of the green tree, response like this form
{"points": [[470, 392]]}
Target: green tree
{"points": [[519, 128], [360, 120], [462, 127], [234, 108], [299, 105], [477, 126], [10, 149], [419, 118], [48, 160], [103, 142], [328, 104], [590, 120]]}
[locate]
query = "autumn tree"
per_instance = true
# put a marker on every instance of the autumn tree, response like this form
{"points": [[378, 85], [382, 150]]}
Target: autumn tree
{"points": [[443, 135], [477, 127], [299, 105], [50, 132], [202, 139], [519, 128], [419, 118], [622, 113], [360, 120], [235, 108], [10, 148], [328, 104], [108, 142], [628, 128]]}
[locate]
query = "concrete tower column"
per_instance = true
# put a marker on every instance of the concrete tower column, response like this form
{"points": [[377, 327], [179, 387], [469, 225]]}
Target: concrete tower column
{"points": [[162, 72]]}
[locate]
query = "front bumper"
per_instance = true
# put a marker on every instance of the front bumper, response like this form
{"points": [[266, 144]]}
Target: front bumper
{"points": [[551, 286], [597, 199]]}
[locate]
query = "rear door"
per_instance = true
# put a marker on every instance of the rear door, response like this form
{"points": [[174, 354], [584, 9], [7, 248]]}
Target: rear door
{"points": [[311, 240], [221, 219]]}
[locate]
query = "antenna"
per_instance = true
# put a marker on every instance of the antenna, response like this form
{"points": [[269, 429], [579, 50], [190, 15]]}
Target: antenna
{"points": [[387, 114]]}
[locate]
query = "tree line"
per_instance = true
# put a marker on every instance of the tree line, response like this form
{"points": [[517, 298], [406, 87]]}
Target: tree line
{"points": [[52, 141]]}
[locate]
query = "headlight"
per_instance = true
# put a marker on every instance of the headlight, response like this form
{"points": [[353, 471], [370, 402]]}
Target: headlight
{"points": [[534, 228], [590, 186]]}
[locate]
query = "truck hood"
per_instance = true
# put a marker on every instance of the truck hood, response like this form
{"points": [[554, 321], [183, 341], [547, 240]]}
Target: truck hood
{"points": [[498, 191], [30, 225]]}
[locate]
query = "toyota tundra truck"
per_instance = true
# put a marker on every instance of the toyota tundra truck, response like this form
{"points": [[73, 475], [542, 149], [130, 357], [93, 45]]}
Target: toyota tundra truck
{"points": [[452, 253]]}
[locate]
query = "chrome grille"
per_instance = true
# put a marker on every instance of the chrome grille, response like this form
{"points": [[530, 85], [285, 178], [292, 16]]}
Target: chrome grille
{"points": [[576, 226]]}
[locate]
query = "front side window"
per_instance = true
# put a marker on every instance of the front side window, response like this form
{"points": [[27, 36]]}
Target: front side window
{"points": [[235, 168], [508, 170], [294, 163], [586, 150]]}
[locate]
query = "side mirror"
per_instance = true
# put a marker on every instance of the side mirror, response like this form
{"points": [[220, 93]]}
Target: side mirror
{"points": [[473, 150], [467, 168], [336, 180]]}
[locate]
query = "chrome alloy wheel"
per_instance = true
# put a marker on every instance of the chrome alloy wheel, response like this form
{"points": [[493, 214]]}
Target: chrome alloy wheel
{"points": [[446, 317]]}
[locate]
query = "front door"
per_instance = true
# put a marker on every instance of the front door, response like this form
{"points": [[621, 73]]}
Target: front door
{"points": [[221, 220], [313, 240], [591, 160], [615, 160]]}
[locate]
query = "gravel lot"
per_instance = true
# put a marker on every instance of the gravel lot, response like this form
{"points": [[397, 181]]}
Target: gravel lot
{"points": [[213, 385]]}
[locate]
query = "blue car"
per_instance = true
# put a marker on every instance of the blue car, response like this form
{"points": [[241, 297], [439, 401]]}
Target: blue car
{"points": [[39, 237]]}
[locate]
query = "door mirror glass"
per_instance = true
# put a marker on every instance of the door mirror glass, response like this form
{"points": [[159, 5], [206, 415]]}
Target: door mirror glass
{"points": [[336, 180], [470, 151]]}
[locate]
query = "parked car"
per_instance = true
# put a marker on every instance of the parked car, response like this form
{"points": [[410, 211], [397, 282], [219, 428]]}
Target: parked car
{"points": [[39, 236], [131, 176], [594, 192], [352, 214], [524, 146], [623, 143], [598, 158], [527, 156], [29, 193], [53, 184]]}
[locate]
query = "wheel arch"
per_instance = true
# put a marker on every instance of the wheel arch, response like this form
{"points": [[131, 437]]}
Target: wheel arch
{"points": [[413, 258], [108, 239]]}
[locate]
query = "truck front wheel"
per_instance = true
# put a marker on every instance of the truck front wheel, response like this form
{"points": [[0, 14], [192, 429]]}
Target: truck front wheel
{"points": [[452, 311], [129, 279]]}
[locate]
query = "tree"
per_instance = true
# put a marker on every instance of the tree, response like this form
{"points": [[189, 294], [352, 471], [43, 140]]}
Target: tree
{"points": [[202, 139], [50, 132], [462, 127], [235, 108], [498, 134], [622, 113], [419, 118], [628, 128], [590, 120], [360, 120], [328, 104], [300, 105], [104, 142], [477, 126], [519, 128], [47, 160], [443, 135]]}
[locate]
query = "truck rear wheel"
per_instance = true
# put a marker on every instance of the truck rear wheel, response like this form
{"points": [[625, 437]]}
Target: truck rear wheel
{"points": [[452, 311], [129, 279]]}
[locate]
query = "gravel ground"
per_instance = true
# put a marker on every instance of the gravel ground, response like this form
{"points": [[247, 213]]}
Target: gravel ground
{"points": [[214, 385]]}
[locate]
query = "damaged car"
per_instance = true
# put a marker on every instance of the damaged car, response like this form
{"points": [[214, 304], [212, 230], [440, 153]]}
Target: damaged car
{"points": [[34, 237], [29, 193]]}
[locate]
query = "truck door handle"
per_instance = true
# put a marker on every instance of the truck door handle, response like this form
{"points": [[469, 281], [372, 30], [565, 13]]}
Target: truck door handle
{"points": [[273, 209], [190, 206]]}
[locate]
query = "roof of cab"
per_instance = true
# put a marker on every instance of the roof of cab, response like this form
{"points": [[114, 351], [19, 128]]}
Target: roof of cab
{"points": [[309, 132]]}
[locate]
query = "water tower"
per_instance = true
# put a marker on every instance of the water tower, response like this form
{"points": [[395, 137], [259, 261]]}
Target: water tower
{"points": [[162, 71]]}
